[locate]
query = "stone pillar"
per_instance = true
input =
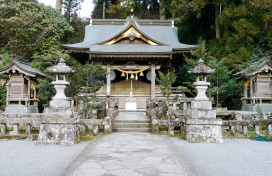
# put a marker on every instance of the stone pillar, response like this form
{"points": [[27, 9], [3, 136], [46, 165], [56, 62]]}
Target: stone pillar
{"points": [[185, 106], [3, 128], [232, 128], [269, 129], [27, 128], [245, 130], [257, 130], [153, 75], [108, 82], [95, 130], [15, 129]]}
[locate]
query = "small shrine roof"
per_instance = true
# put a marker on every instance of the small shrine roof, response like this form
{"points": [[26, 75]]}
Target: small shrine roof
{"points": [[263, 66], [21, 65], [164, 36]]}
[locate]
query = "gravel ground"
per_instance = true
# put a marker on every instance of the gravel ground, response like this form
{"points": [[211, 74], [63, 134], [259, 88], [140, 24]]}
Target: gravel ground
{"points": [[239, 157], [26, 158]]}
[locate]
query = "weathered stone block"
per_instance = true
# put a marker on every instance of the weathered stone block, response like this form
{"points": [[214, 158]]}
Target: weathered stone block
{"points": [[58, 133], [202, 105], [204, 130], [198, 114]]}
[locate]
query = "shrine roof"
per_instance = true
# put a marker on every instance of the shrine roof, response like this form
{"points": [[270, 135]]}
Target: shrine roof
{"points": [[22, 65], [97, 35], [265, 65]]}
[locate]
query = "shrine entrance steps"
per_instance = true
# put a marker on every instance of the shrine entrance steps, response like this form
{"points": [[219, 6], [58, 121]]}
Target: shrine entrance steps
{"points": [[133, 121]]}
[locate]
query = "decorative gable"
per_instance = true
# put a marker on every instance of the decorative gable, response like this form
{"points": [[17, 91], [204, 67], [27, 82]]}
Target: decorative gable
{"points": [[131, 35]]}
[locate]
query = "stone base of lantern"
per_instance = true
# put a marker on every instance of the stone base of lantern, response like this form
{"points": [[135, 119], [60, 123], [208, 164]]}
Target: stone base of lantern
{"points": [[58, 112], [58, 132], [60, 103], [204, 130]]}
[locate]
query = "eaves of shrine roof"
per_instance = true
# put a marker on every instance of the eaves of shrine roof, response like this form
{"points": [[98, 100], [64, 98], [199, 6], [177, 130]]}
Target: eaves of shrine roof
{"points": [[96, 36], [21, 65], [265, 65]]}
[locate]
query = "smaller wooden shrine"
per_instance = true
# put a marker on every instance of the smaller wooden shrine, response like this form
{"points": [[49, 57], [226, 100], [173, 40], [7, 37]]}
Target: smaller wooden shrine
{"points": [[257, 87], [21, 87]]}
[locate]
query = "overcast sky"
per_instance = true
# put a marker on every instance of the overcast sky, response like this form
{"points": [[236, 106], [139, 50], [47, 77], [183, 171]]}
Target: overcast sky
{"points": [[86, 7]]}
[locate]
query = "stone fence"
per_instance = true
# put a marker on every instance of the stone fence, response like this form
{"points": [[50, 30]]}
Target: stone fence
{"points": [[28, 121], [243, 126]]}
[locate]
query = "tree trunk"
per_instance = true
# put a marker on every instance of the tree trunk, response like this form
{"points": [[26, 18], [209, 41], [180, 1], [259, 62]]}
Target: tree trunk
{"points": [[104, 9], [217, 17], [58, 6], [162, 10]]}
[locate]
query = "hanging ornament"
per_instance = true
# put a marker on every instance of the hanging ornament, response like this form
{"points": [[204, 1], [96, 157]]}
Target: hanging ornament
{"points": [[136, 77], [123, 74], [132, 76], [141, 74], [127, 77]]}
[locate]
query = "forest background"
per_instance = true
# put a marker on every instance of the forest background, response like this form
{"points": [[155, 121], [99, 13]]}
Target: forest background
{"points": [[232, 34]]}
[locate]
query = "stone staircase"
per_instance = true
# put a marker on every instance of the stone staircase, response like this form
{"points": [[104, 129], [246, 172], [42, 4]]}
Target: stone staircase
{"points": [[132, 122]]}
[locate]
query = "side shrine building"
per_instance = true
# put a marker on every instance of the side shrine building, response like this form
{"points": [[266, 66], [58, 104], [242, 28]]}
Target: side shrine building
{"points": [[21, 87], [133, 51]]}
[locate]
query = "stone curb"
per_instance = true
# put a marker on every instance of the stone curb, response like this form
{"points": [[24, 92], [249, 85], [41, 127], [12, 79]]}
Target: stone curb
{"points": [[76, 163], [188, 169]]}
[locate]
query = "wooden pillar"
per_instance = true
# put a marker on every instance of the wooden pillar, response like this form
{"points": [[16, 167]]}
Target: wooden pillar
{"points": [[7, 94], [108, 82], [245, 92], [251, 88], [153, 75]]}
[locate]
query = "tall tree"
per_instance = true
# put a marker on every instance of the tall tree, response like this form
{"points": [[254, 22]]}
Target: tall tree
{"points": [[71, 7], [27, 27]]}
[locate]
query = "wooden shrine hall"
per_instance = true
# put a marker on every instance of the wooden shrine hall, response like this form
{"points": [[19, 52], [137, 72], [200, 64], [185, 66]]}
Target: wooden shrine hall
{"points": [[133, 51]]}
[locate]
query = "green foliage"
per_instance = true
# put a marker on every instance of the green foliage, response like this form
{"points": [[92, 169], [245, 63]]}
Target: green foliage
{"points": [[122, 8], [27, 27], [78, 34], [166, 81], [85, 82], [260, 112], [224, 89], [71, 7]]}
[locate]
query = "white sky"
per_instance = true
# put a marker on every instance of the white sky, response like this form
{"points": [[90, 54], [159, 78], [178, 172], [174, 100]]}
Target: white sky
{"points": [[86, 7]]}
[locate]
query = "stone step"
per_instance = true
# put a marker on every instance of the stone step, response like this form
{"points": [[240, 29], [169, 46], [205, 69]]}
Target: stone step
{"points": [[131, 129], [131, 121], [131, 125]]}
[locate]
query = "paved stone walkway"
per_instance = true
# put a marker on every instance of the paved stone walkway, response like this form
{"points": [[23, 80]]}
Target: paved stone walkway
{"points": [[133, 154]]}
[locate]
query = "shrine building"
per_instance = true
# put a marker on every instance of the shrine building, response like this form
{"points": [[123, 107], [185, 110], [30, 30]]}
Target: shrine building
{"points": [[133, 51], [21, 87]]}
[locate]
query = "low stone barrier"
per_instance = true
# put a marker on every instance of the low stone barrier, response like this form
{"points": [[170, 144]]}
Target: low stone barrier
{"points": [[235, 126]]}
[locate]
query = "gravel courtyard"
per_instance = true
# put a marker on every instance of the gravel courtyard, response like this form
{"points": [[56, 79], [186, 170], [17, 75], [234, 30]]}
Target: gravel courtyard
{"points": [[237, 157], [21, 158]]}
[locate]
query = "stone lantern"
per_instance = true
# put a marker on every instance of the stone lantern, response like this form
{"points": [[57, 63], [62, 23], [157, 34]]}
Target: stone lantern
{"points": [[202, 124], [60, 105], [201, 84]]}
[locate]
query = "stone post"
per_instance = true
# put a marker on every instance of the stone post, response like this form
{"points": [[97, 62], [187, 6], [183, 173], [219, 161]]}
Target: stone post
{"points": [[257, 130], [153, 75], [95, 130], [245, 130], [232, 128], [15, 129], [269, 129], [27, 128], [3, 128]]}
